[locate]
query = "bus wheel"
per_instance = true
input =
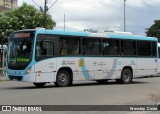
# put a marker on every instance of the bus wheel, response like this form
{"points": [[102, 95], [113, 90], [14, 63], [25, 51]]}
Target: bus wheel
{"points": [[39, 84], [63, 78], [102, 81], [126, 76]]}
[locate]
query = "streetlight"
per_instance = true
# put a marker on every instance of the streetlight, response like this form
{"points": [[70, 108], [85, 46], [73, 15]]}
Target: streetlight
{"points": [[125, 15]]}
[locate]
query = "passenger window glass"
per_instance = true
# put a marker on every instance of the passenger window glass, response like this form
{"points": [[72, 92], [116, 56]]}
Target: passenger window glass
{"points": [[154, 49], [44, 48], [159, 51], [69, 46], [91, 47], [128, 47], [110, 47], [144, 48]]}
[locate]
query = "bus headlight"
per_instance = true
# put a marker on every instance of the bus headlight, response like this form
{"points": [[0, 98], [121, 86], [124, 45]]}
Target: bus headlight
{"points": [[28, 70]]}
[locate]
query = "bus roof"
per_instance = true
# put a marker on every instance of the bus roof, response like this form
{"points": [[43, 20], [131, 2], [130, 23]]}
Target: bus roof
{"points": [[89, 34]]}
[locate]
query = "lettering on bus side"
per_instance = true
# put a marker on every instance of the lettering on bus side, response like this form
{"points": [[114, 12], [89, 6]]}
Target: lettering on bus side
{"points": [[64, 62]]}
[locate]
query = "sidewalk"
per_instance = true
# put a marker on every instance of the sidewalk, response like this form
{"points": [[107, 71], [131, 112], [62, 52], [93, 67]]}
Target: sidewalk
{"points": [[3, 78]]}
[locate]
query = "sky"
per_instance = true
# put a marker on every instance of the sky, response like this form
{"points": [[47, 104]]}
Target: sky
{"points": [[102, 14]]}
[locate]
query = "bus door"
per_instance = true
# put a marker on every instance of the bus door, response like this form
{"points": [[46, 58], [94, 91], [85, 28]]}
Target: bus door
{"points": [[46, 65], [147, 60], [158, 65]]}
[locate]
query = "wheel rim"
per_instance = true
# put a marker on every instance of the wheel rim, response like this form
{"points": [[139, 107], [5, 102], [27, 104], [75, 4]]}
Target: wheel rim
{"points": [[126, 76], [62, 78]]}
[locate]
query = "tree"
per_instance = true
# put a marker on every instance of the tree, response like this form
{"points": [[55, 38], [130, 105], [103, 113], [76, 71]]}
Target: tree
{"points": [[24, 17], [154, 30]]}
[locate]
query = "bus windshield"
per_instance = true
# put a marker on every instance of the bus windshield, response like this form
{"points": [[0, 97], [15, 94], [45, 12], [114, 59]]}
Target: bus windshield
{"points": [[20, 50]]}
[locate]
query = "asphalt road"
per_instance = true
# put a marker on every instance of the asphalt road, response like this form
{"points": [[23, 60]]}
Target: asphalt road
{"points": [[143, 91]]}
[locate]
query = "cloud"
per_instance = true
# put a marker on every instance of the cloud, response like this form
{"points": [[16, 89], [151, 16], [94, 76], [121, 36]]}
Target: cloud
{"points": [[103, 14]]}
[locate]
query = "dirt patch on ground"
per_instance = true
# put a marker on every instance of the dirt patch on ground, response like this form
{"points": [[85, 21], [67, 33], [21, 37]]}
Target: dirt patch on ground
{"points": [[155, 98]]}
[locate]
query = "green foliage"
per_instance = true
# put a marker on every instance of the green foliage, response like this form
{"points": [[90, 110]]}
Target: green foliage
{"points": [[154, 30], [24, 17]]}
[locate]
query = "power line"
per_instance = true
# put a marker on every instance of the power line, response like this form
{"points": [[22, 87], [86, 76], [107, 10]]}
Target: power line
{"points": [[52, 5], [45, 10], [36, 3]]}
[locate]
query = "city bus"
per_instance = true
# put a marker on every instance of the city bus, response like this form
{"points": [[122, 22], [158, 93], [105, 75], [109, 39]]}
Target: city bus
{"points": [[43, 56]]}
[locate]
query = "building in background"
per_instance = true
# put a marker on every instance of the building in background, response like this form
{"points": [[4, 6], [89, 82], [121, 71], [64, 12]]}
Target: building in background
{"points": [[8, 4]]}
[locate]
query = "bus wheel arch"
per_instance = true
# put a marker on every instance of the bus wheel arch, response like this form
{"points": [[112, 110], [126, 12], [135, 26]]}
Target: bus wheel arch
{"points": [[126, 75], [67, 75]]}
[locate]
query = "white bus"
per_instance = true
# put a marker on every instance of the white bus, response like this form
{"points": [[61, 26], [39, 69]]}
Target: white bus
{"points": [[45, 56]]}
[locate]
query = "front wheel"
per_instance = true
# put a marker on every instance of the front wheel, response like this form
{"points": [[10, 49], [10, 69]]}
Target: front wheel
{"points": [[126, 76], [63, 78], [39, 84]]}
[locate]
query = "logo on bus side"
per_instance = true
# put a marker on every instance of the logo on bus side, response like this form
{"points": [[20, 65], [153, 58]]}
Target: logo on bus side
{"points": [[81, 63], [63, 62]]}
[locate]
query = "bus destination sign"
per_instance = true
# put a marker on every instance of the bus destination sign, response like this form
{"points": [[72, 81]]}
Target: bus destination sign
{"points": [[22, 35]]}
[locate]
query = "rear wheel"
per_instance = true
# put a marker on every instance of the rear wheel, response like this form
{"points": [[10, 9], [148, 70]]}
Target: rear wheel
{"points": [[63, 78], [39, 84], [126, 76]]}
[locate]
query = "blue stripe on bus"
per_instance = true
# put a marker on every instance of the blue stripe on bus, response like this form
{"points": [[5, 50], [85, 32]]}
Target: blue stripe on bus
{"points": [[84, 70]]}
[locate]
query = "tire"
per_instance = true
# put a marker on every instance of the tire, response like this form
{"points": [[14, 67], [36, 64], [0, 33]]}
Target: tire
{"points": [[102, 81], [126, 76], [39, 84], [63, 79]]}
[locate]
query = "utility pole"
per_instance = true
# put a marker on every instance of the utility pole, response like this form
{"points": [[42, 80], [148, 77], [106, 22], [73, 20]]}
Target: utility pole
{"points": [[45, 12], [125, 15], [64, 22]]}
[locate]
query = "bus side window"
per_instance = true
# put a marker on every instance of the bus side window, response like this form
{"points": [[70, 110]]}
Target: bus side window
{"points": [[110, 47], [154, 49], [38, 49], [44, 49], [91, 46], [63, 47], [128, 47], [69, 46], [144, 48]]}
